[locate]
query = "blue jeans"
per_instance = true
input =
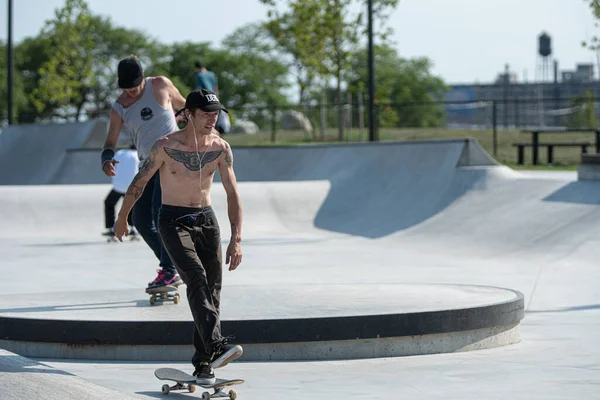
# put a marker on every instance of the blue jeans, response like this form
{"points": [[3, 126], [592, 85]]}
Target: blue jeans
{"points": [[145, 219]]}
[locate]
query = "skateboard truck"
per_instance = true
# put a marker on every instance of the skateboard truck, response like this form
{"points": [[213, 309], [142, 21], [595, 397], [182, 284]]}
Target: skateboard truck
{"points": [[166, 389], [219, 393], [163, 294]]}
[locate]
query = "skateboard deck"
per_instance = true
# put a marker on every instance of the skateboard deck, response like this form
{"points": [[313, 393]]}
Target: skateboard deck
{"points": [[184, 381], [164, 293]]}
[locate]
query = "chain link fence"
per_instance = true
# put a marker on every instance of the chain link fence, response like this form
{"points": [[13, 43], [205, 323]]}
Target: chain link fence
{"points": [[497, 124]]}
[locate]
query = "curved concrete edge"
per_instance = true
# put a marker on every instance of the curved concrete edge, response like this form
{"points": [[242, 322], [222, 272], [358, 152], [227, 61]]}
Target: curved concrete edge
{"points": [[25, 379], [469, 340], [266, 331]]}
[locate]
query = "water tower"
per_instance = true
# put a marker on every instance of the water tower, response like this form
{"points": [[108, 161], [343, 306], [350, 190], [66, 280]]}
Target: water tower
{"points": [[543, 59], [542, 74]]}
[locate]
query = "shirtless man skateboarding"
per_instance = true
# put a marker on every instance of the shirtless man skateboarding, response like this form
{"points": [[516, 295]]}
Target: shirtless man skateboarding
{"points": [[187, 160], [146, 109]]}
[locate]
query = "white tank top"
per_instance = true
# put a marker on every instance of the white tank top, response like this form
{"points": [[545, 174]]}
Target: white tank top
{"points": [[146, 120]]}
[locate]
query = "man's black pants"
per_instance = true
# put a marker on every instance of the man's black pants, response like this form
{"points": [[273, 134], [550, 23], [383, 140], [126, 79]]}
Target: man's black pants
{"points": [[192, 239], [110, 202]]}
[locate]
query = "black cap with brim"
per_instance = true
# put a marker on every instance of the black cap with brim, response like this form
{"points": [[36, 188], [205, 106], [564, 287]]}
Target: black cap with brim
{"points": [[203, 99], [130, 72]]}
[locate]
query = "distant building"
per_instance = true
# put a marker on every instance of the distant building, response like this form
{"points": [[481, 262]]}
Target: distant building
{"points": [[583, 73], [520, 104]]}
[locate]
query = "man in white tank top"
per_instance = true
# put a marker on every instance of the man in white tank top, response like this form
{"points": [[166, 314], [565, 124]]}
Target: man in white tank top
{"points": [[146, 108]]}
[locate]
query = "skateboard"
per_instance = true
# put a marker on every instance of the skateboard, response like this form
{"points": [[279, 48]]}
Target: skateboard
{"points": [[111, 238], [184, 381], [164, 293]]}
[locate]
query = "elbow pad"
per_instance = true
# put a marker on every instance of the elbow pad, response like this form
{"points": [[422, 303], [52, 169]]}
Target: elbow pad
{"points": [[107, 155]]}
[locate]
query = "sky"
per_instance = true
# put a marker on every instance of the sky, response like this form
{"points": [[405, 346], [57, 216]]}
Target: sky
{"points": [[466, 40]]}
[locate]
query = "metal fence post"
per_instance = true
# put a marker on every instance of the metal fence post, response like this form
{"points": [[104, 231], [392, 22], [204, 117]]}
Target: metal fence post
{"points": [[535, 146], [494, 128], [273, 123]]}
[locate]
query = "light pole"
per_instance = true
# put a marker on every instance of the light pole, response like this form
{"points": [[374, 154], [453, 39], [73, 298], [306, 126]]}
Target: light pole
{"points": [[371, 68], [9, 58]]}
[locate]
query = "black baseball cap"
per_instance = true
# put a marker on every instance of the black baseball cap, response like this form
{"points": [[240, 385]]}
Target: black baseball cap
{"points": [[131, 73], [203, 99]]}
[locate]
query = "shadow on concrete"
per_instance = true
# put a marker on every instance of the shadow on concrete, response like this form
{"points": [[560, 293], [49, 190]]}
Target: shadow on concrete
{"points": [[13, 363], [67, 244], [78, 307], [172, 395], [584, 192]]}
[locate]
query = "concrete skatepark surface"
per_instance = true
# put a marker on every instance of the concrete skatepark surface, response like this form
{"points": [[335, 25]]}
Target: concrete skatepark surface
{"points": [[417, 214], [22, 378]]}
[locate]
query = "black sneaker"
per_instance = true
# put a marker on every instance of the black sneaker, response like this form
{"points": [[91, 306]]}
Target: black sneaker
{"points": [[204, 374], [224, 353]]}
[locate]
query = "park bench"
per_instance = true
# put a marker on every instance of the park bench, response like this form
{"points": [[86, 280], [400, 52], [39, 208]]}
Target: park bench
{"points": [[535, 143], [550, 147]]}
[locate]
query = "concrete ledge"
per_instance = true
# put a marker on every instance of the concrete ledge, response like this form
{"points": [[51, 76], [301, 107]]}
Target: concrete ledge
{"points": [[470, 340], [335, 321]]}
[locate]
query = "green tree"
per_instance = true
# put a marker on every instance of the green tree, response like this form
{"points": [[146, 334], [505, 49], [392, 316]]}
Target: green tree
{"points": [[110, 44], [327, 34], [19, 97], [300, 39], [249, 82], [71, 67], [594, 42], [257, 68], [68, 71], [584, 115], [405, 90]]}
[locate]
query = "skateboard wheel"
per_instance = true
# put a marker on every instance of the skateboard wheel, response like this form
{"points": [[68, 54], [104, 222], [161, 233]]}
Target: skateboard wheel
{"points": [[205, 396], [176, 299], [191, 388], [232, 394], [166, 389], [152, 299]]}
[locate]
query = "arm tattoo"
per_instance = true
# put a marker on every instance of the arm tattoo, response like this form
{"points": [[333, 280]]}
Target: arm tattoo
{"points": [[134, 189], [229, 157], [147, 165], [190, 158]]}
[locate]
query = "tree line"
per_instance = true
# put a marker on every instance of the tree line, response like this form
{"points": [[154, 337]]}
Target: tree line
{"points": [[67, 72]]}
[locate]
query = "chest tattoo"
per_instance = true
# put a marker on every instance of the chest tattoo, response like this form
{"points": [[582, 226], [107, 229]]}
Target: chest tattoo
{"points": [[191, 160]]}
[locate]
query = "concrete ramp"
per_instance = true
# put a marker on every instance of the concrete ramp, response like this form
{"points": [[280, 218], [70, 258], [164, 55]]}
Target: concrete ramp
{"points": [[32, 154], [376, 189], [80, 166], [46, 154], [25, 379]]}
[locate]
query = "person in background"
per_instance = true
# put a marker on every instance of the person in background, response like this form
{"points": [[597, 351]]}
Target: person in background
{"points": [[207, 80], [146, 110], [126, 167]]}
